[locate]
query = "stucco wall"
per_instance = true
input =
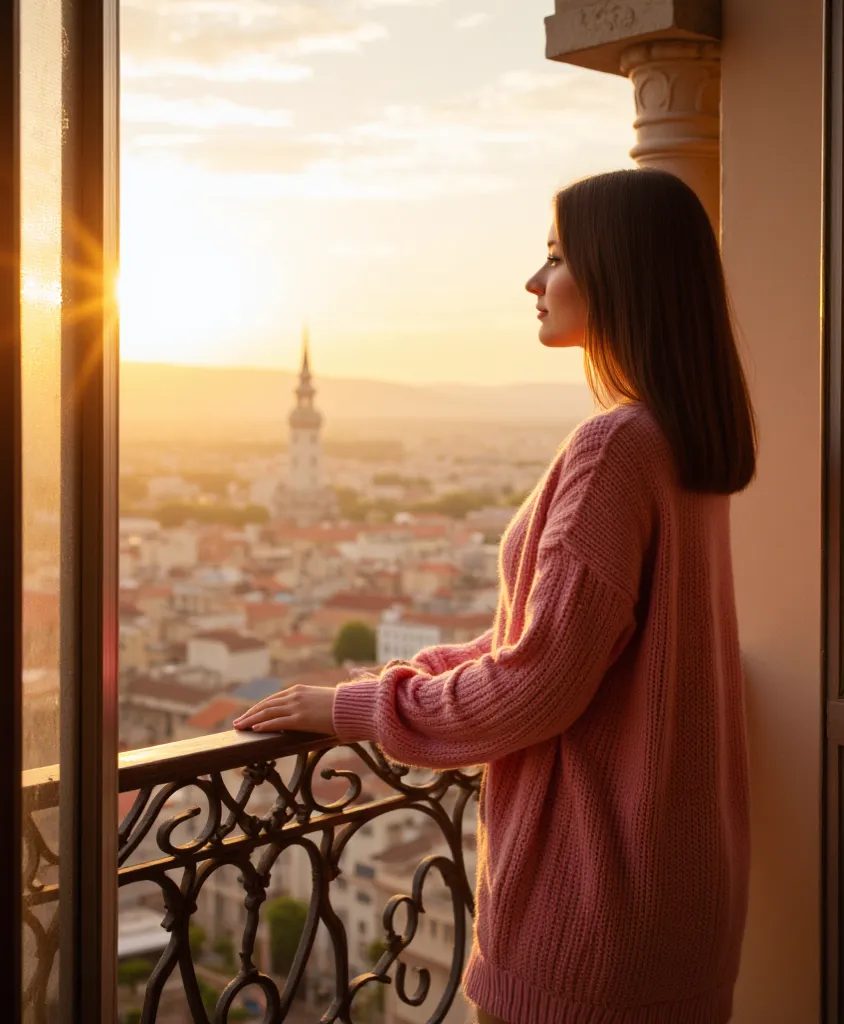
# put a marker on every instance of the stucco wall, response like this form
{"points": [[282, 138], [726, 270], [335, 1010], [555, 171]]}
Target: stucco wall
{"points": [[772, 122]]}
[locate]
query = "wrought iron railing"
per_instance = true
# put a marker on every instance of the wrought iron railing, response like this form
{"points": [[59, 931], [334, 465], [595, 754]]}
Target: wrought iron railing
{"points": [[227, 830]]}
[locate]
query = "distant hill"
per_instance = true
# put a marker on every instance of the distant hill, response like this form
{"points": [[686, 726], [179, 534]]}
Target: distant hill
{"points": [[162, 395]]}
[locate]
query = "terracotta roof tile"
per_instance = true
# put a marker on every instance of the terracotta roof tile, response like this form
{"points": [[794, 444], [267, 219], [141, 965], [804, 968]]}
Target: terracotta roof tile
{"points": [[319, 677], [190, 697], [219, 712], [234, 641], [317, 534], [264, 611], [440, 568], [294, 640]]}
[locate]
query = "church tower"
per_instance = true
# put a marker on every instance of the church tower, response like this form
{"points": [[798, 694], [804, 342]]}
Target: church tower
{"points": [[305, 474], [303, 497]]}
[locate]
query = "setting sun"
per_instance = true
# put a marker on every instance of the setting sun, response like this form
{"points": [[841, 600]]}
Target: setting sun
{"points": [[190, 286]]}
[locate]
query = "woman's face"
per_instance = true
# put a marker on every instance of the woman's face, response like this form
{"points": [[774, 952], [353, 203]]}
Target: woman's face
{"points": [[562, 309]]}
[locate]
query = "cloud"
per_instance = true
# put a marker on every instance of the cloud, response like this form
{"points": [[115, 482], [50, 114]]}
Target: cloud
{"points": [[237, 40], [207, 112], [482, 141], [470, 21], [256, 68]]}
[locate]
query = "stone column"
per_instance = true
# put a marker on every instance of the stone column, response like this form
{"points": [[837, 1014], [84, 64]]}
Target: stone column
{"points": [[669, 50]]}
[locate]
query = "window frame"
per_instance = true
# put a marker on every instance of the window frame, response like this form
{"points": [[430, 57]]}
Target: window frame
{"points": [[832, 869], [89, 690], [11, 663], [89, 392]]}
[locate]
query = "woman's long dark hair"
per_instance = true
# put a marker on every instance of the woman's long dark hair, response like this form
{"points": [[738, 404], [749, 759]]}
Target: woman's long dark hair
{"points": [[640, 248]]}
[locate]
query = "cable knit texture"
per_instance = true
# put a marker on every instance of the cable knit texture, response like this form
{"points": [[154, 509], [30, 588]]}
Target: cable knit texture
{"points": [[606, 705]]}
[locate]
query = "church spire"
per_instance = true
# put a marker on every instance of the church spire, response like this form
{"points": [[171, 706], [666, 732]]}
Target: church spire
{"points": [[305, 391], [306, 355], [305, 415]]}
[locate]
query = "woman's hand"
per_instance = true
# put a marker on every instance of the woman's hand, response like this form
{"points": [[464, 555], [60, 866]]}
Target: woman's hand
{"points": [[302, 708]]}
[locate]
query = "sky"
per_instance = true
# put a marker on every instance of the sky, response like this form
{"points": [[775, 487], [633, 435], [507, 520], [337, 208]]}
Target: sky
{"points": [[381, 170]]}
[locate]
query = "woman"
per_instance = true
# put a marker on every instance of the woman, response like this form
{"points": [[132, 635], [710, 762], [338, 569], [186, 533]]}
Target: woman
{"points": [[606, 701]]}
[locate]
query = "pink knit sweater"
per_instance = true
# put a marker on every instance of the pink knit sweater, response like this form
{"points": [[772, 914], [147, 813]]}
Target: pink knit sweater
{"points": [[606, 704]]}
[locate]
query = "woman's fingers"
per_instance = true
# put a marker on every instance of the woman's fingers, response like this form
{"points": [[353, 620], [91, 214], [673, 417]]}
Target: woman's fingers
{"points": [[271, 718], [277, 724], [261, 714], [261, 704]]}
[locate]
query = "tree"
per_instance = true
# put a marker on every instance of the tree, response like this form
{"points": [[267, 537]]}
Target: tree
{"points": [[375, 950], [354, 642], [456, 504], [517, 497], [177, 514], [368, 1005], [209, 482], [224, 948], [196, 939], [133, 972], [286, 918], [209, 996], [349, 504], [353, 507], [132, 489]]}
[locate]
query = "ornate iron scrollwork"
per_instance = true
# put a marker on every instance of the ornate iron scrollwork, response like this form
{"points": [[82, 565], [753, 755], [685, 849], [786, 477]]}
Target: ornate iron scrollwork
{"points": [[228, 832]]}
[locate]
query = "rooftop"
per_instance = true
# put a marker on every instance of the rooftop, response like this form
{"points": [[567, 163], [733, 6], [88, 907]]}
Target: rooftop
{"points": [[168, 690], [317, 534], [220, 711], [257, 689], [319, 677], [363, 601], [234, 641], [477, 621]]}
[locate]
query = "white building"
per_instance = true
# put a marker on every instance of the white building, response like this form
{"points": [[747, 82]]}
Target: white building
{"points": [[139, 933], [171, 549], [367, 549], [402, 633], [480, 560], [398, 638], [236, 657]]}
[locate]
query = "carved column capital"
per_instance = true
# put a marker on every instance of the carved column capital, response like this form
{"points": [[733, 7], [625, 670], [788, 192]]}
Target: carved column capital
{"points": [[677, 90]]}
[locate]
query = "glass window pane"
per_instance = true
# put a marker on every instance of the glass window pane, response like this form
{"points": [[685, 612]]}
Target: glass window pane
{"points": [[41, 196]]}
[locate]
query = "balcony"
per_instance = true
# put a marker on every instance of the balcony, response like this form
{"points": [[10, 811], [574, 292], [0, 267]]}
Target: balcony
{"points": [[253, 804]]}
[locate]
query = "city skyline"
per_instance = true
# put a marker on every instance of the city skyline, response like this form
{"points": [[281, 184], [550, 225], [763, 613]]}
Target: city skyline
{"points": [[381, 169]]}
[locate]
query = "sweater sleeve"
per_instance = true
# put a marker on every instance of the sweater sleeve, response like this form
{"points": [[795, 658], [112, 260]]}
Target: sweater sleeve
{"points": [[525, 693], [442, 657], [578, 616]]}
